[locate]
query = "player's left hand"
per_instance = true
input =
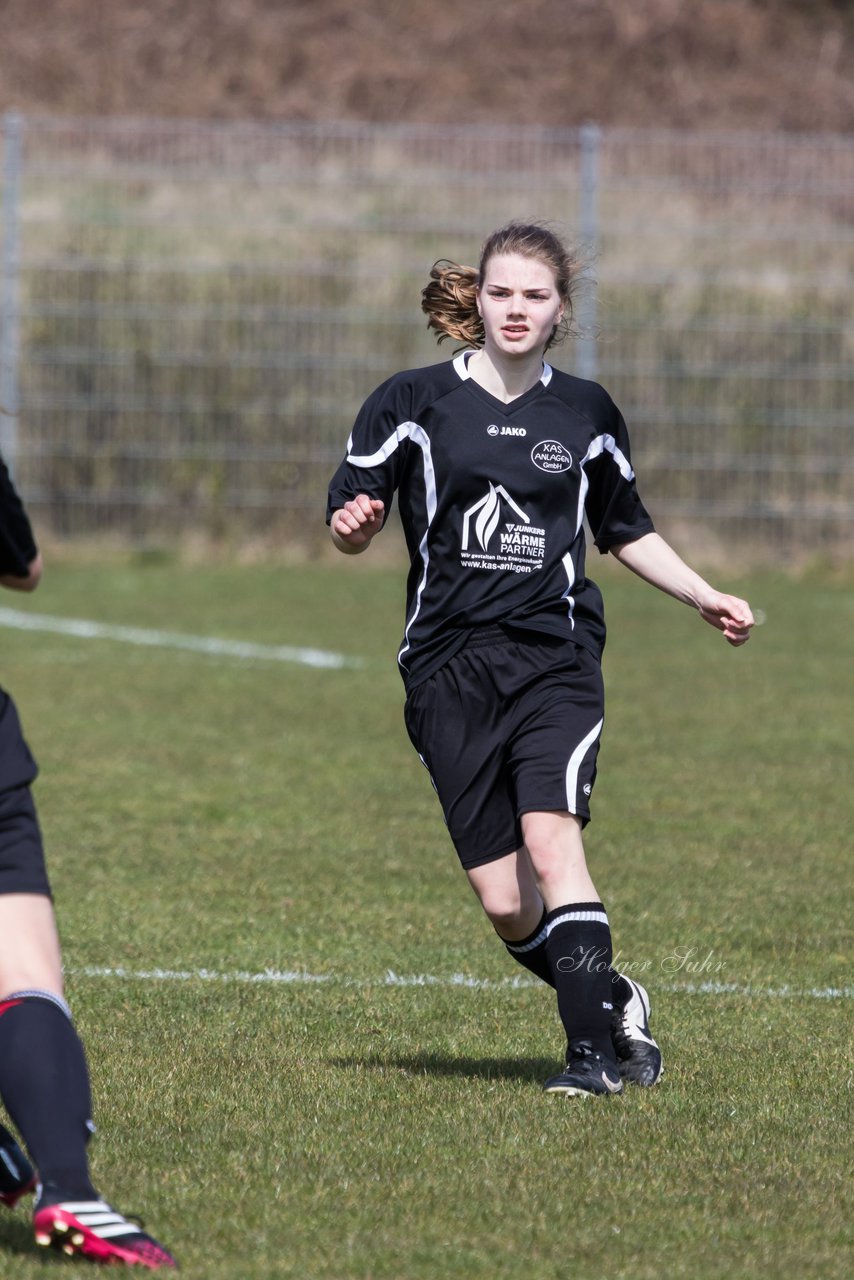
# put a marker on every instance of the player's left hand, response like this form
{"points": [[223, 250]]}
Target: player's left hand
{"points": [[730, 615]]}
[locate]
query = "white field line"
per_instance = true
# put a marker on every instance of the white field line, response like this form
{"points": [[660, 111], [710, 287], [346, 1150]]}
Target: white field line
{"points": [[18, 620], [288, 977]]}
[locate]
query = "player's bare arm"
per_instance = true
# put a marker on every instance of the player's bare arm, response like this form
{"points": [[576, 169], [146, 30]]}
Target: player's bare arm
{"points": [[355, 524], [654, 560]]}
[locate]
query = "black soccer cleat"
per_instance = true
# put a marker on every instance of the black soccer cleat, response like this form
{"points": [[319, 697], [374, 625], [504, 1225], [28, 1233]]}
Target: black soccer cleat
{"points": [[91, 1229], [586, 1072], [638, 1056], [17, 1177]]}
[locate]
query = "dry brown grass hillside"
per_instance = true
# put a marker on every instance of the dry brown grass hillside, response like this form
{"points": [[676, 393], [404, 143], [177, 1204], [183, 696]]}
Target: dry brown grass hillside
{"points": [[783, 64]]}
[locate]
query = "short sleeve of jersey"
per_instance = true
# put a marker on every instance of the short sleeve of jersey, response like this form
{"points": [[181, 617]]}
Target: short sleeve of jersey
{"points": [[612, 504], [17, 544], [374, 459]]}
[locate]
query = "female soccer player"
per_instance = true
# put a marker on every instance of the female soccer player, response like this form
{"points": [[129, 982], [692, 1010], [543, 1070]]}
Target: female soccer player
{"points": [[496, 458], [44, 1079]]}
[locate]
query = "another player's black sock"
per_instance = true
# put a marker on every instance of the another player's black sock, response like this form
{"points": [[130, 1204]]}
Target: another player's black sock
{"points": [[579, 952], [531, 951], [44, 1085]]}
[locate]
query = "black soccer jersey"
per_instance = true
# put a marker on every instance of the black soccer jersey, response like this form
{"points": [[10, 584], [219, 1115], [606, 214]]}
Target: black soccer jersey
{"points": [[17, 766], [492, 499], [17, 545]]}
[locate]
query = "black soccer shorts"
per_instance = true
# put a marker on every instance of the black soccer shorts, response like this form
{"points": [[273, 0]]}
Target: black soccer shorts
{"points": [[22, 863], [509, 725]]}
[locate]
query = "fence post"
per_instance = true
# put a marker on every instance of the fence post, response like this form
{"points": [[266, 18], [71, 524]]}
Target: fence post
{"points": [[590, 137], [10, 269]]}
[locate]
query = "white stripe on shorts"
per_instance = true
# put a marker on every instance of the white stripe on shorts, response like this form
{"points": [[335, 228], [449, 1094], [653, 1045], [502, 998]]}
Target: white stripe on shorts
{"points": [[575, 762]]}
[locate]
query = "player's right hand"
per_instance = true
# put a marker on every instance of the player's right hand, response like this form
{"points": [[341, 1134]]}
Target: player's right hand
{"points": [[730, 615], [358, 521]]}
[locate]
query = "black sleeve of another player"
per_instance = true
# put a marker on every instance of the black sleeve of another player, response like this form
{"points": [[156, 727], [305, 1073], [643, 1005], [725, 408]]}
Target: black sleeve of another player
{"points": [[17, 545], [613, 506]]}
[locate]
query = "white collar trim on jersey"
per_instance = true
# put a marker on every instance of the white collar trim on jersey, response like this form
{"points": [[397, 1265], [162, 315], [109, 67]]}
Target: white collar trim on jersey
{"points": [[461, 364]]}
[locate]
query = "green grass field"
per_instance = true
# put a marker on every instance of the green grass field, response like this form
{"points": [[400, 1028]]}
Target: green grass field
{"points": [[215, 825]]}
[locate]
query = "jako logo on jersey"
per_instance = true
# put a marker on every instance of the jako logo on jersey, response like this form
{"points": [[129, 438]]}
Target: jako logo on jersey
{"points": [[550, 455], [505, 431]]}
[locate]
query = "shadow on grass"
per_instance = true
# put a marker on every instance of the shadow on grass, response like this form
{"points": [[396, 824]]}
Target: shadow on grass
{"points": [[17, 1238], [533, 1070]]}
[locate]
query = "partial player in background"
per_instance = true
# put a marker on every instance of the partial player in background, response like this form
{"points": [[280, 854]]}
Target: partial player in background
{"points": [[496, 458], [44, 1079]]}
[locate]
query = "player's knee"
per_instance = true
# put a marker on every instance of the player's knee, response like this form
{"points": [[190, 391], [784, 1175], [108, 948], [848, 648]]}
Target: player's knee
{"points": [[553, 843], [505, 910]]}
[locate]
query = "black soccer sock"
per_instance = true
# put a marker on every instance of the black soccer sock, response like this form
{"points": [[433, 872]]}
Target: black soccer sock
{"points": [[44, 1085], [579, 952], [531, 951]]}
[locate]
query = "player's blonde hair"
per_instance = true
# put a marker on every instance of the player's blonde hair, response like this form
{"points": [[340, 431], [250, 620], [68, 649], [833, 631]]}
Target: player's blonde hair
{"points": [[450, 299]]}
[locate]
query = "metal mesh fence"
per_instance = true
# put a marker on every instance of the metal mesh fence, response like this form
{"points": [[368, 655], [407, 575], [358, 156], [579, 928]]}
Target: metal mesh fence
{"points": [[192, 313]]}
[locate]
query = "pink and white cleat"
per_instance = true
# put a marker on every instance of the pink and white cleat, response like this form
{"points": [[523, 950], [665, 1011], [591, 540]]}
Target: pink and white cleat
{"points": [[91, 1229]]}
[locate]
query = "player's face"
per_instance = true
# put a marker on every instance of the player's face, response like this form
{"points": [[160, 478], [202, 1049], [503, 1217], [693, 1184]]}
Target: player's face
{"points": [[519, 303]]}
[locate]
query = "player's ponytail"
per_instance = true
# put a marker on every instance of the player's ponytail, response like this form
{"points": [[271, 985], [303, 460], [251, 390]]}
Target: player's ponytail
{"points": [[450, 303]]}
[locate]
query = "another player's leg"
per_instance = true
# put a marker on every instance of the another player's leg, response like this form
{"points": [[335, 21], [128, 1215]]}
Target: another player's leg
{"points": [[44, 1086]]}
